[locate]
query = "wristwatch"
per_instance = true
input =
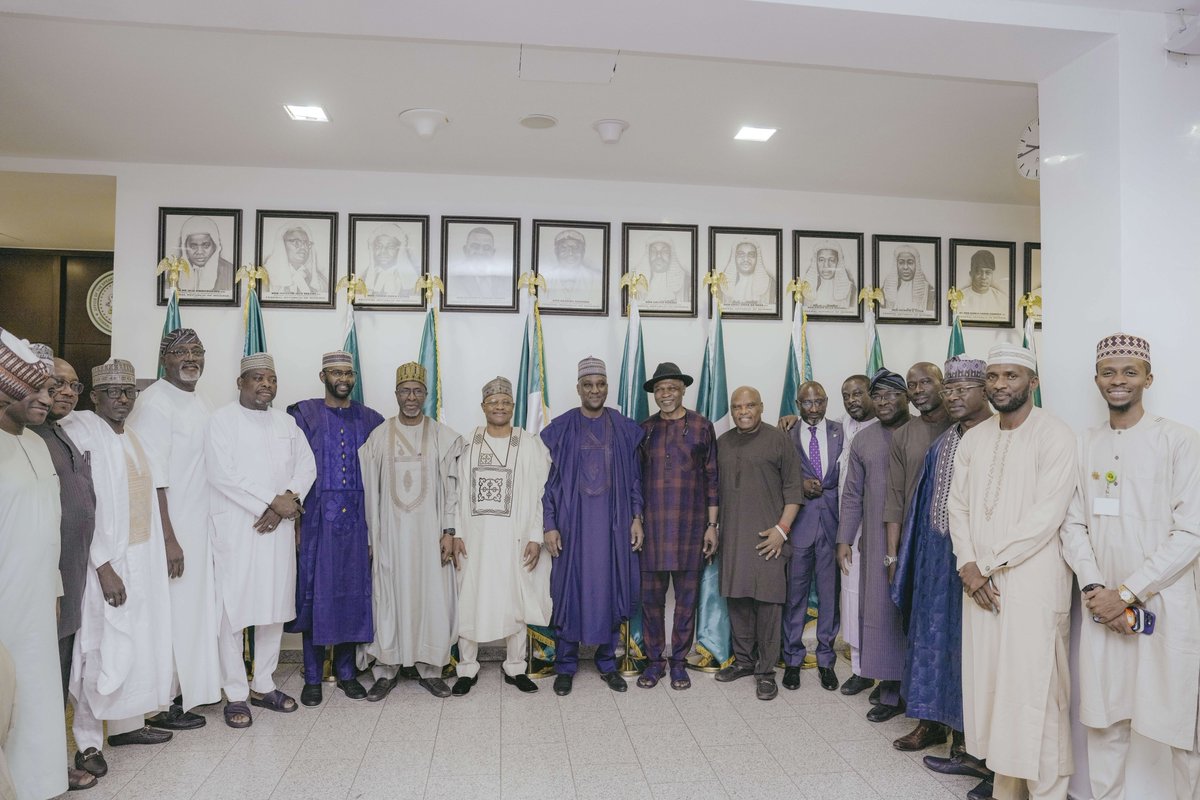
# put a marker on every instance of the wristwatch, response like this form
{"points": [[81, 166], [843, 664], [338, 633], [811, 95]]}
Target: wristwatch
{"points": [[448, 532], [889, 560], [1127, 597]]}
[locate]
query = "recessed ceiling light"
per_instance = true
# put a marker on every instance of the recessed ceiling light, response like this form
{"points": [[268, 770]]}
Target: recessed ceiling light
{"points": [[539, 121], [749, 134], [306, 113]]}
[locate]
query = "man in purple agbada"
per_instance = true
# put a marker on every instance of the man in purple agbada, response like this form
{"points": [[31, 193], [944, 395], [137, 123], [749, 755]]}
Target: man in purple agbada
{"points": [[592, 510], [333, 575]]}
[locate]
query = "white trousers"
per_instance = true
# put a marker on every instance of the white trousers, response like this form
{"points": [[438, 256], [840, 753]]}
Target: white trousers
{"points": [[1108, 758], [390, 671], [849, 602], [89, 731], [515, 647], [267, 639]]}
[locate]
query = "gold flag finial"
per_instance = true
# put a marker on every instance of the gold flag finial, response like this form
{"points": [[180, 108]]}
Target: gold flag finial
{"points": [[871, 295], [172, 267], [1032, 303], [634, 283], [533, 282], [955, 296], [716, 283], [429, 284], [251, 273], [355, 287], [799, 290]]}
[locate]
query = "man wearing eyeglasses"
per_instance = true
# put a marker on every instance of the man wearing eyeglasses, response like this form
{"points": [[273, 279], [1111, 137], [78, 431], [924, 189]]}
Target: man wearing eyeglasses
{"points": [[169, 417], [410, 486], [333, 571], [123, 648]]}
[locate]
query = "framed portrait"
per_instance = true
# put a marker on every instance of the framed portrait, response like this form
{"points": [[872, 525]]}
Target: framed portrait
{"points": [[908, 269], [1033, 271], [751, 259], [210, 239], [832, 264], [986, 273], [479, 263], [299, 251], [666, 255], [573, 258], [390, 252]]}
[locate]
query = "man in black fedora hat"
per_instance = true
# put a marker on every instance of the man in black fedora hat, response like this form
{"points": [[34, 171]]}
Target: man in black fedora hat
{"points": [[679, 486]]}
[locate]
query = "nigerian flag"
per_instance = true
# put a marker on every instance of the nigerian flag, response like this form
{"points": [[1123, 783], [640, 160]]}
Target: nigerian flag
{"points": [[631, 399], [429, 359], [351, 347], [874, 347], [799, 362], [956, 347], [256, 334], [172, 323], [532, 410], [1029, 342], [714, 642]]}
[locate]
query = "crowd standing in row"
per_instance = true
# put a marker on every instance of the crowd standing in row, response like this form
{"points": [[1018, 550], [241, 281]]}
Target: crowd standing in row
{"points": [[161, 531]]}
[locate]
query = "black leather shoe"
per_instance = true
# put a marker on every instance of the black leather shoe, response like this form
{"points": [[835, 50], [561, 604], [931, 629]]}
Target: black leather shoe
{"points": [[463, 685], [882, 713], [614, 681], [311, 694], [733, 672], [981, 792], [961, 764], [855, 684], [791, 677], [873, 698], [176, 719], [410, 673], [353, 689], [522, 682], [380, 689], [143, 735], [926, 734], [92, 760], [435, 686], [829, 681], [562, 685], [765, 689]]}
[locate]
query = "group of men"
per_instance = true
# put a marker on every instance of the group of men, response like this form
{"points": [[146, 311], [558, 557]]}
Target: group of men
{"points": [[182, 542]]}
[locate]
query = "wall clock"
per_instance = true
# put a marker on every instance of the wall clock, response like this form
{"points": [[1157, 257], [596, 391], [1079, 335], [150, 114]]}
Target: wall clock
{"points": [[1029, 153]]}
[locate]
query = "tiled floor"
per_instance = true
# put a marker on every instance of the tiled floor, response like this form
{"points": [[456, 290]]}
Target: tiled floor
{"points": [[711, 741]]}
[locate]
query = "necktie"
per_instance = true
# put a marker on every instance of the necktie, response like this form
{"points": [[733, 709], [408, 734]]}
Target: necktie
{"points": [[814, 451]]}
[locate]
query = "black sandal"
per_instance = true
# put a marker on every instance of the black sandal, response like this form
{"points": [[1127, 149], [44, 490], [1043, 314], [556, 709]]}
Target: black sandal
{"points": [[274, 700], [238, 708]]}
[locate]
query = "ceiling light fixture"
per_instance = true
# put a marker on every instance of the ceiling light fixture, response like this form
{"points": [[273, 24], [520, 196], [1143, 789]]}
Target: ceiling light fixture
{"points": [[610, 130], [306, 113], [425, 121], [749, 134], [539, 122]]}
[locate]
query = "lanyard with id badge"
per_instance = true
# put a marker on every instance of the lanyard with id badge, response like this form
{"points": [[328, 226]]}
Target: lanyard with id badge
{"points": [[1106, 506]]}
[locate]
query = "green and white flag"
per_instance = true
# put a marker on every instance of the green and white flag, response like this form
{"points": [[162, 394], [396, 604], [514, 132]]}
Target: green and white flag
{"points": [[255, 338], [351, 347], [871, 296], [1031, 343], [631, 394], [798, 368], [956, 346], [429, 356], [532, 410]]}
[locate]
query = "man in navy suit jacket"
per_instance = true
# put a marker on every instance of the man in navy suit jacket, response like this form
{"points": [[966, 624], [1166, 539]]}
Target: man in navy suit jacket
{"points": [[814, 539]]}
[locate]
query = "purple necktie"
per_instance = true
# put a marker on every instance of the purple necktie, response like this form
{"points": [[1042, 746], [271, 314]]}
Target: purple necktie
{"points": [[814, 451]]}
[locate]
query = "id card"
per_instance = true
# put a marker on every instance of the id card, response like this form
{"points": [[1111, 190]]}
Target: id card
{"points": [[1106, 506]]}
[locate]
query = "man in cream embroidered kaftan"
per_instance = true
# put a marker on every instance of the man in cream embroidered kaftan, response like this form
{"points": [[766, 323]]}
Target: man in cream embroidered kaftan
{"points": [[410, 482], [504, 577], [1137, 534], [123, 667], [1014, 476]]}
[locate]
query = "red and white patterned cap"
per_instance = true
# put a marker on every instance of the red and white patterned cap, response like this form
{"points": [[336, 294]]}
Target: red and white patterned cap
{"points": [[1123, 345], [21, 372]]}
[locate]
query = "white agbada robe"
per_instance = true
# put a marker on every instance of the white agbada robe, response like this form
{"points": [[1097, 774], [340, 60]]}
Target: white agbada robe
{"points": [[500, 511], [29, 587], [1008, 498], [1151, 547], [170, 423], [123, 665], [251, 457], [849, 595], [410, 487]]}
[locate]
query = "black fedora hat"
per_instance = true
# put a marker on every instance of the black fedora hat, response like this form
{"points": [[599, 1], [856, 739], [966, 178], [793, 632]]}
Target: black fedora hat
{"points": [[664, 371]]}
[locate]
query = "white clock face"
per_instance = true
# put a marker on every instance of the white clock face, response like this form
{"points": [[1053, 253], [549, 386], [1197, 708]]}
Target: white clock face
{"points": [[1029, 153]]}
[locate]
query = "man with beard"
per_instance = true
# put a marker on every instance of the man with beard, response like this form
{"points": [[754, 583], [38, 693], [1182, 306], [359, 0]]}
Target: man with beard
{"points": [[259, 466], [881, 637], [170, 417], [749, 283], [32, 732], [123, 666], [908, 290], [1014, 476], [333, 571], [410, 487], [591, 508], [926, 586], [860, 413], [909, 446], [814, 533], [980, 296], [391, 271], [575, 280], [1133, 541], [667, 279]]}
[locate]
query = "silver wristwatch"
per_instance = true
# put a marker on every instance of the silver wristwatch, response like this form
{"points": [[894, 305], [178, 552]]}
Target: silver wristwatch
{"points": [[889, 560]]}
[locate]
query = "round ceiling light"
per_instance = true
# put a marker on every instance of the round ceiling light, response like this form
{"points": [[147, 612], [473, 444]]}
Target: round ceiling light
{"points": [[539, 122]]}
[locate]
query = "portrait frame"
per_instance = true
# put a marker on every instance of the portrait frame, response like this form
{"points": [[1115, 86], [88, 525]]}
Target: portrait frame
{"points": [[227, 224], [722, 249], [929, 251], [1033, 272], [636, 238], [456, 232], [546, 233], [962, 251], [804, 248], [272, 252], [363, 230]]}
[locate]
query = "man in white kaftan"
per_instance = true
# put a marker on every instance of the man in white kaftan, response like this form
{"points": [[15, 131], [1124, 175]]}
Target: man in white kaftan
{"points": [[503, 581], [1134, 540], [170, 417], [860, 412], [1014, 476], [122, 666], [29, 581], [259, 466], [410, 481]]}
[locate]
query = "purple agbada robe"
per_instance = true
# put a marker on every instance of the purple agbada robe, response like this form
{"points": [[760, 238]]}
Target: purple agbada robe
{"points": [[333, 576], [594, 490]]}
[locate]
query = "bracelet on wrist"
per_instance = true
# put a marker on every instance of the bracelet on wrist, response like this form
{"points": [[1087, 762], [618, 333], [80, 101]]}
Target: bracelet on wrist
{"points": [[782, 532]]}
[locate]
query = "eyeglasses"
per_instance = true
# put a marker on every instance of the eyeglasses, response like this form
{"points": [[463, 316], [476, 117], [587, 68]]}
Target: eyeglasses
{"points": [[813, 403], [184, 352], [419, 392], [339, 373], [55, 386], [958, 391], [498, 404], [117, 392], [877, 396]]}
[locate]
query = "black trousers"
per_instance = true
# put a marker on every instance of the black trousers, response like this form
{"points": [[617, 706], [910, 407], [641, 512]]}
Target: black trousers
{"points": [[66, 646], [756, 626]]}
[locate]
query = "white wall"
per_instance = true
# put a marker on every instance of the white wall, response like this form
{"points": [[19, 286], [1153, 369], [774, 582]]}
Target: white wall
{"points": [[475, 347]]}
